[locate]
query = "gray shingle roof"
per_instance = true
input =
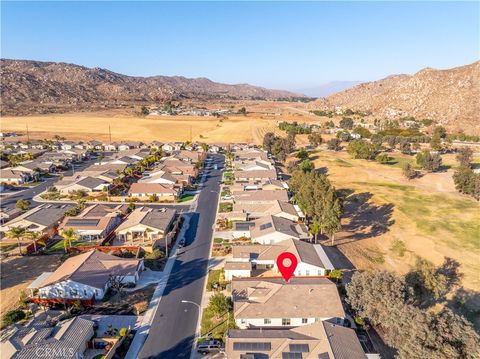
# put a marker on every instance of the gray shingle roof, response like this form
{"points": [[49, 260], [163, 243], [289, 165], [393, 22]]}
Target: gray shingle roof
{"points": [[48, 214], [343, 341]]}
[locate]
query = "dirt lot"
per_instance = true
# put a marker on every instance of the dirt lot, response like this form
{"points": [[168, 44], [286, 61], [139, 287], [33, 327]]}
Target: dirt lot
{"points": [[390, 220], [125, 125], [18, 272]]}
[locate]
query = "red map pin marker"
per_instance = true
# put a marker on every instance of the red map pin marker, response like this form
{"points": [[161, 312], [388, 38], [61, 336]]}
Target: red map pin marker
{"points": [[286, 263]]}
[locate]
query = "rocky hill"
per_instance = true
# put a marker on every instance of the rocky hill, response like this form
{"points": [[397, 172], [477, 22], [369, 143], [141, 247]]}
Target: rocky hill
{"points": [[450, 97], [29, 87]]}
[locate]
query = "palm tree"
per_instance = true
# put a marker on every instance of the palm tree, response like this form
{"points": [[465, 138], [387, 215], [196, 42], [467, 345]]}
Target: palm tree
{"points": [[68, 235], [33, 236], [17, 233]]}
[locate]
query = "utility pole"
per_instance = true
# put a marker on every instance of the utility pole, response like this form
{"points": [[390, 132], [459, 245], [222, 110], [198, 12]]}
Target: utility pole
{"points": [[28, 135], [110, 133], [190, 133]]}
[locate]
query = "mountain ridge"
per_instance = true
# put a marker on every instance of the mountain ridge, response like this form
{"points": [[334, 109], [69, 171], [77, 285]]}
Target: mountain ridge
{"points": [[448, 96], [32, 87]]}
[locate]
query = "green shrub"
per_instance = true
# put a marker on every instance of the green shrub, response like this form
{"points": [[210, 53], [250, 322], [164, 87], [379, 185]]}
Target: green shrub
{"points": [[13, 316], [218, 240], [156, 254]]}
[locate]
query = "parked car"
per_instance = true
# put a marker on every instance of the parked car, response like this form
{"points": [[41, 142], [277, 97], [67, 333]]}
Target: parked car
{"points": [[209, 346], [181, 243], [227, 197]]}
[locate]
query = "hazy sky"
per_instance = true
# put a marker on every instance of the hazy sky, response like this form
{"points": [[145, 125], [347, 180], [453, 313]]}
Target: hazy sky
{"points": [[273, 44]]}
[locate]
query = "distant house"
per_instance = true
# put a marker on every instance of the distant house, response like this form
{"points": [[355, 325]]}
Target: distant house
{"points": [[159, 177], [176, 166], [95, 223], [277, 208], [88, 184], [145, 190], [256, 175], [86, 276], [321, 340], [68, 145], [10, 176], [272, 230], [156, 145], [189, 156], [43, 219], [312, 259], [35, 167], [251, 155], [69, 338], [172, 146], [260, 197], [272, 302], [148, 228], [94, 145], [258, 165]]}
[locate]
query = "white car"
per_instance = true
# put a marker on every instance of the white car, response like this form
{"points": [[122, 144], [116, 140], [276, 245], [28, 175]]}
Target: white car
{"points": [[227, 197]]}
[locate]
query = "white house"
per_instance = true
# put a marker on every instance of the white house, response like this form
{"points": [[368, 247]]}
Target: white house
{"points": [[86, 276], [312, 259], [272, 302]]}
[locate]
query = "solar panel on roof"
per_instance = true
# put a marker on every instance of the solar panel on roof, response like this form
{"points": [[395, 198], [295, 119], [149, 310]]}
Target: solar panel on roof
{"points": [[299, 348], [265, 226], [243, 225], [289, 355], [81, 222], [243, 346]]}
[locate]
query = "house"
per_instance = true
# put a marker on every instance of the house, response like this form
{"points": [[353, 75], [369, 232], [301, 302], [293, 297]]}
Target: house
{"points": [[10, 176], [321, 340], [271, 185], [35, 167], [251, 155], [43, 219], [258, 165], [86, 276], [276, 208], [160, 190], [260, 197], [172, 146], [94, 223], [271, 230], [88, 184], [256, 175], [159, 177], [189, 156], [7, 214], [69, 338], [273, 303], [148, 228], [312, 259], [156, 145], [176, 166], [127, 145], [94, 145], [67, 145]]}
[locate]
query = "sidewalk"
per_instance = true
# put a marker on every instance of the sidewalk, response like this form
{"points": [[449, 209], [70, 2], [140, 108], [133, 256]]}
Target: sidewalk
{"points": [[142, 332]]}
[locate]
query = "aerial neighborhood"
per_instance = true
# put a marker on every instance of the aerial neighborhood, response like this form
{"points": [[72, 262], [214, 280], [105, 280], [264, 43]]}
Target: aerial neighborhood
{"points": [[118, 213]]}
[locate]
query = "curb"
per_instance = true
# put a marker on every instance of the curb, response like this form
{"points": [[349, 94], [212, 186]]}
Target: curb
{"points": [[142, 333]]}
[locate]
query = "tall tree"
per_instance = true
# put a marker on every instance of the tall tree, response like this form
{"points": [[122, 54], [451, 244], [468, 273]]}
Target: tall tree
{"points": [[17, 233], [69, 235], [464, 156]]}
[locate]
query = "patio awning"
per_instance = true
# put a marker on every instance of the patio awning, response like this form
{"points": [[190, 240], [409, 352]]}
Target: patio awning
{"points": [[37, 283]]}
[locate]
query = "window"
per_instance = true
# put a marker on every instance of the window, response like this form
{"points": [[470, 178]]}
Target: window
{"points": [[85, 292], [265, 226], [304, 320], [318, 320], [285, 321], [319, 272], [242, 321], [307, 272], [267, 321], [73, 292]]}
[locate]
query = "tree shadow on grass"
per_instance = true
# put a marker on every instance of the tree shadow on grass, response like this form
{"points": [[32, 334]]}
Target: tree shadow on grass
{"points": [[366, 219]]}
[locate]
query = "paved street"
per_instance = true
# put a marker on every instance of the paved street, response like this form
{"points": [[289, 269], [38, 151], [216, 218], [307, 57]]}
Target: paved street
{"points": [[8, 200], [174, 325]]}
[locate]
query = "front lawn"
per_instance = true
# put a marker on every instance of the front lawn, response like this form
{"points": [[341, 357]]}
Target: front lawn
{"points": [[186, 197], [225, 207], [215, 324]]}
